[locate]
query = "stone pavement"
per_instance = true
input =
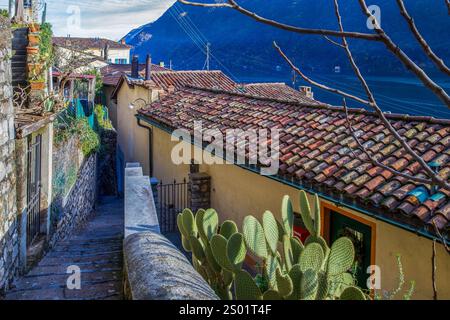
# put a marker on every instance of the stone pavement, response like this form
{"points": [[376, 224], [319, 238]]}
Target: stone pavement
{"points": [[96, 250]]}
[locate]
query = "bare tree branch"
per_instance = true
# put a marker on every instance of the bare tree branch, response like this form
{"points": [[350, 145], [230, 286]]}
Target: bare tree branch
{"points": [[370, 157], [406, 60], [233, 5], [380, 36], [423, 43], [436, 179], [334, 42], [317, 84], [444, 242]]}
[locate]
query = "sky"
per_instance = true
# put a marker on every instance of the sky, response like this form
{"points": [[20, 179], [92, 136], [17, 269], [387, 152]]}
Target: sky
{"points": [[111, 19]]}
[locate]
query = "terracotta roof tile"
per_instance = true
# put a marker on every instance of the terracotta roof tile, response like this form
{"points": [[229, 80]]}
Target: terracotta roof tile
{"points": [[315, 148]]}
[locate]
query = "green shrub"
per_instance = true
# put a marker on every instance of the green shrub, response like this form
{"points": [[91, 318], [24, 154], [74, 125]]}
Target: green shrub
{"points": [[88, 138]]}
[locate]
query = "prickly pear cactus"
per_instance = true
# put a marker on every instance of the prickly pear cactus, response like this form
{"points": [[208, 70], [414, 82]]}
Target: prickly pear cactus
{"points": [[288, 269]]}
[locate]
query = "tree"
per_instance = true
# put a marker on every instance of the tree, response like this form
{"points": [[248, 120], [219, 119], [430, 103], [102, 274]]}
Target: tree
{"points": [[431, 177]]}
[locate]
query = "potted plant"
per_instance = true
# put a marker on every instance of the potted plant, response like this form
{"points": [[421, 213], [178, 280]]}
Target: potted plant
{"points": [[34, 68], [34, 39], [37, 85], [34, 27]]}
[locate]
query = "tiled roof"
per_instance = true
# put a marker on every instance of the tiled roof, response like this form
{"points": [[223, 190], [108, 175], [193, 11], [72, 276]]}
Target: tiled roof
{"points": [[203, 79], [88, 43], [112, 73], [178, 79], [275, 90], [316, 149]]}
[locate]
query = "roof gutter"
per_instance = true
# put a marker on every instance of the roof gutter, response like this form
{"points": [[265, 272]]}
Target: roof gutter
{"points": [[418, 231]]}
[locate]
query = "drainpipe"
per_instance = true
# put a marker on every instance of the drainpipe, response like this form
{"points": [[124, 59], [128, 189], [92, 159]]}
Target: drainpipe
{"points": [[150, 146]]}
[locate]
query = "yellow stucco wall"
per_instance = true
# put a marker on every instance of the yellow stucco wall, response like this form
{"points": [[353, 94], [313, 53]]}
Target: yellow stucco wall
{"points": [[132, 139], [236, 192]]}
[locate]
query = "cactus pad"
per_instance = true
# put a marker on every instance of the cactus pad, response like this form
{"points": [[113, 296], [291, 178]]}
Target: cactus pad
{"points": [[228, 228], [197, 249], [219, 250], [272, 295], [352, 293], [287, 214], [236, 251], [296, 276], [271, 231], [288, 253], [309, 285], [246, 288], [210, 223], [284, 284], [322, 289], [211, 260], [189, 223], [312, 258], [317, 217], [305, 211], [186, 244], [199, 223], [297, 249], [341, 257], [254, 237], [271, 271]]}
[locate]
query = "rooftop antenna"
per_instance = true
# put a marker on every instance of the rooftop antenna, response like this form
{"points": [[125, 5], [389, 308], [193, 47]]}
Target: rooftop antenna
{"points": [[208, 55]]}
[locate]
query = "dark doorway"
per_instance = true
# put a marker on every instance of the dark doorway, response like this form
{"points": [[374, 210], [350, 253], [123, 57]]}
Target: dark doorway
{"points": [[361, 235]]}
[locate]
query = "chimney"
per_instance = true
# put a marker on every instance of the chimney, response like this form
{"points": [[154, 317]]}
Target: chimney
{"points": [[106, 52], [307, 91], [161, 64], [148, 68], [122, 41], [135, 67]]}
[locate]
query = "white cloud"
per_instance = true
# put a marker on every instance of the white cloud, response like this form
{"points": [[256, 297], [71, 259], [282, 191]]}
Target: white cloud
{"points": [[101, 18]]}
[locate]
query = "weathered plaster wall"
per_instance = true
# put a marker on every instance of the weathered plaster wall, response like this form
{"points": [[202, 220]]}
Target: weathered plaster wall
{"points": [[9, 248], [236, 193], [132, 139]]}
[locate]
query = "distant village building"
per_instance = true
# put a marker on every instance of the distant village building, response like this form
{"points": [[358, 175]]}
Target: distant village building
{"points": [[110, 51]]}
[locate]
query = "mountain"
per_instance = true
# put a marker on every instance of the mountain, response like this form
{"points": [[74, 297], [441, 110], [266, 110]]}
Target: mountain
{"points": [[243, 48]]}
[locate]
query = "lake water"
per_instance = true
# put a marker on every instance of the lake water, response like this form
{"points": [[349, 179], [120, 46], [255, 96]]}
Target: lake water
{"points": [[394, 94]]}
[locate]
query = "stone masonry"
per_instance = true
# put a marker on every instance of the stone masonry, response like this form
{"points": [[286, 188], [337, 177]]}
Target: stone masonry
{"points": [[9, 247], [79, 204], [200, 187]]}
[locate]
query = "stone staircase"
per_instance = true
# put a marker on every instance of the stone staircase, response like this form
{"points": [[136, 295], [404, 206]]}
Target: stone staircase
{"points": [[96, 250], [19, 58]]}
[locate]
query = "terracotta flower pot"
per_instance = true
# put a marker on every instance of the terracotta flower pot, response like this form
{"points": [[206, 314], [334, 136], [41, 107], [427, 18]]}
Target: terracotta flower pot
{"points": [[32, 50], [34, 39], [34, 27], [37, 85]]}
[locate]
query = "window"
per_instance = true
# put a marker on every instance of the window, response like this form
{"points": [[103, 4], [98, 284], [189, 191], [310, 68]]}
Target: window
{"points": [[121, 61], [339, 223]]}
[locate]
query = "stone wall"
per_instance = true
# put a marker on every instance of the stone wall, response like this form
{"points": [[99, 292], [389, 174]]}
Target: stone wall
{"points": [[200, 188], [154, 268], [107, 183], [71, 211], [9, 246]]}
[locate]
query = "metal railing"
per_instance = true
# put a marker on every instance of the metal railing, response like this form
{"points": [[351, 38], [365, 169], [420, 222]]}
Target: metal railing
{"points": [[33, 189], [172, 199]]}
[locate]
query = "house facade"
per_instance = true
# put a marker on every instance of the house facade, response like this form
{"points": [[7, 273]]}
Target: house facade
{"points": [[111, 51], [385, 215]]}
